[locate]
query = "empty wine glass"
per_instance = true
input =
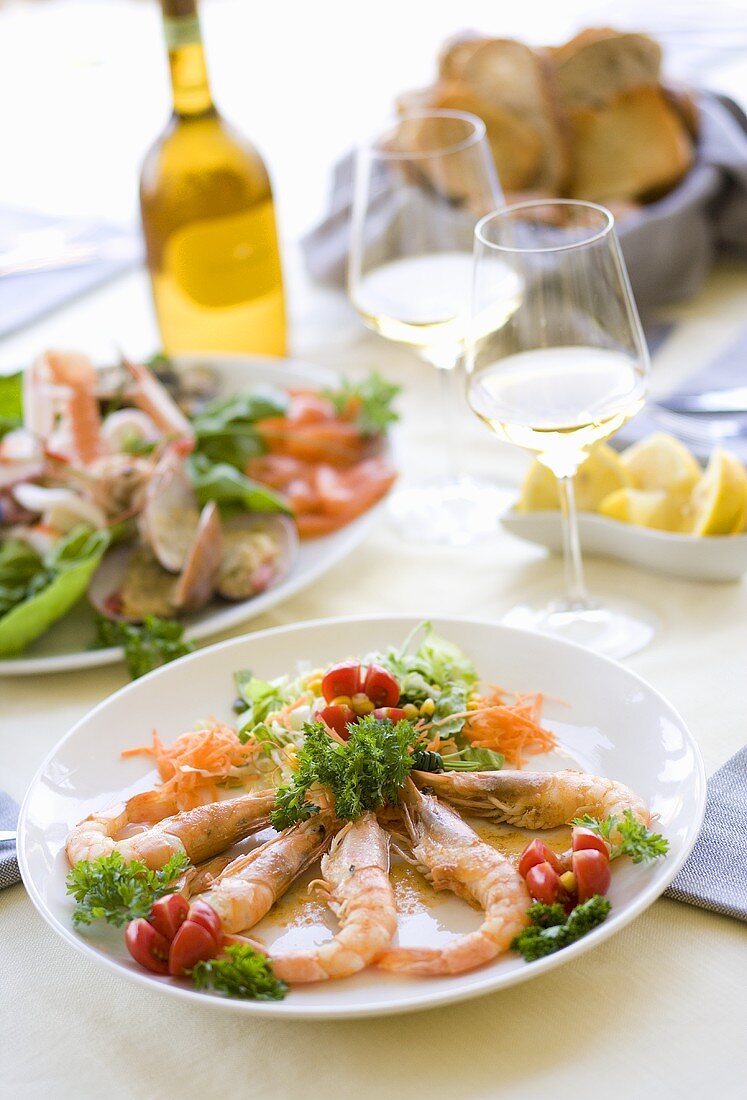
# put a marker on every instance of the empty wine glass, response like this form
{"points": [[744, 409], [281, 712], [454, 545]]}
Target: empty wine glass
{"points": [[420, 187], [566, 370]]}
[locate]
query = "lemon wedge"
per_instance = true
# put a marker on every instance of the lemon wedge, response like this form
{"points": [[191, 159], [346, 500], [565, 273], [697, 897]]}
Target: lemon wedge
{"points": [[718, 505], [661, 462], [601, 474], [644, 508]]}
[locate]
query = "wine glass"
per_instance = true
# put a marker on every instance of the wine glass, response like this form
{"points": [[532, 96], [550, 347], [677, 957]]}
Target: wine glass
{"points": [[420, 187], [566, 370]]}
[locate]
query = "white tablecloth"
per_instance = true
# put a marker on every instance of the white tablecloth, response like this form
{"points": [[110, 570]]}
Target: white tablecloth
{"points": [[658, 1011]]}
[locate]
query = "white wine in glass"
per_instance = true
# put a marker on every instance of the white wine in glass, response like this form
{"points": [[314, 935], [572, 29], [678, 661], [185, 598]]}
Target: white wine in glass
{"points": [[564, 372], [420, 187]]}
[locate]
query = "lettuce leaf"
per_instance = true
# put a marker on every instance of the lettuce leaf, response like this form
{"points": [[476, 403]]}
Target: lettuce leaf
{"points": [[225, 430], [11, 402], [60, 580], [230, 489]]}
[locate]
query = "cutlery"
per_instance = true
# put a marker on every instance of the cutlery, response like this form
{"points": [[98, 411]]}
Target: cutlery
{"points": [[732, 400], [7, 834], [700, 431]]}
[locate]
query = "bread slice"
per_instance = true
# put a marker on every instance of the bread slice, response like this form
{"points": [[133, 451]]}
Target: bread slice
{"points": [[514, 78], [601, 63], [456, 51], [516, 148], [635, 147]]}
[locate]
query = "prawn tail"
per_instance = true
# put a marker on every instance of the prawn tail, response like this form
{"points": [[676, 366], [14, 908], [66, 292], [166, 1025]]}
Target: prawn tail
{"points": [[413, 960]]}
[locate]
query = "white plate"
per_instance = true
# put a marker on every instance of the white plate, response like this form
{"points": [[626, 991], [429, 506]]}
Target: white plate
{"points": [[712, 558], [60, 648], [615, 725]]}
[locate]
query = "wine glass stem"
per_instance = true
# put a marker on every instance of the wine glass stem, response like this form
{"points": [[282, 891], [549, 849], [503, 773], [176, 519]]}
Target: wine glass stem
{"points": [[577, 596], [448, 399]]}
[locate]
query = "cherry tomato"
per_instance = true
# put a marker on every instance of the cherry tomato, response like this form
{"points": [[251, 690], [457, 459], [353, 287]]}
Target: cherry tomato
{"points": [[167, 914], [202, 913], [538, 852], [394, 714], [584, 838], [191, 944], [339, 718], [147, 946], [381, 687], [592, 871], [543, 883], [342, 679]]}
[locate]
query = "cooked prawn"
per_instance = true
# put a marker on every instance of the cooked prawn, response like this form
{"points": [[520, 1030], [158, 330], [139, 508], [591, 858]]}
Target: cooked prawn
{"points": [[356, 877], [155, 400], [199, 833], [68, 380], [454, 857], [249, 886], [534, 800]]}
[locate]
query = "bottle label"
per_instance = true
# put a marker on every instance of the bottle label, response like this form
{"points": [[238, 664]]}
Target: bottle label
{"points": [[223, 261], [181, 30]]}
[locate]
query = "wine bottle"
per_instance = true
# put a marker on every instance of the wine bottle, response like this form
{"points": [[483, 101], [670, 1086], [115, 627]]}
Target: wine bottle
{"points": [[208, 217]]}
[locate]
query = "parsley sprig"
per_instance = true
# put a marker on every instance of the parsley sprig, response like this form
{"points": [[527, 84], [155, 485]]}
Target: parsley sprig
{"points": [[627, 837], [364, 773], [372, 398], [146, 645], [114, 890], [240, 972], [552, 929]]}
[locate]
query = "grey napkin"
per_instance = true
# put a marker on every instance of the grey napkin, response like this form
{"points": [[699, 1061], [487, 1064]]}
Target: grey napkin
{"points": [[9, 873], [26, 297], [715, 875], [726, 370], [668, 245]]}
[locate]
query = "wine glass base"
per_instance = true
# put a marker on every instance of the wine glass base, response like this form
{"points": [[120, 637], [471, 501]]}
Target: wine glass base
{"points": [[614, 631], [452, 513]]}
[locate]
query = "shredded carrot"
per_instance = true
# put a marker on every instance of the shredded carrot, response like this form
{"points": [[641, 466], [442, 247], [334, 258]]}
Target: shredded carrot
{"points": [[193, 766], [510, 728], [282, 716]]}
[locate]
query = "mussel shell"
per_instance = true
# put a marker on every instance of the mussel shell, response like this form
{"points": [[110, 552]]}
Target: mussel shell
{"points": [[249, 565], [130, 584], [198, 578], [170, 515]]}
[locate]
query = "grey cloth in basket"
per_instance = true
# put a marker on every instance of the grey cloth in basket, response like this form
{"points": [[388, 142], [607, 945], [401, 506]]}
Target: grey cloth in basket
{"points": [[668, 245], [9, 873], [715, 875]]}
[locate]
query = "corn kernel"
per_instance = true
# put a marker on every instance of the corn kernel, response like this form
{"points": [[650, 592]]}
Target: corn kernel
{"points": [[314, 685], [427, 708], [411, 711], [361, 704], [568, 881], [342, 701]]}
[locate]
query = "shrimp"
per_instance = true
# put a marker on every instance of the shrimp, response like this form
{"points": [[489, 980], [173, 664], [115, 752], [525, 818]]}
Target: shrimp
{"points": [[67, 379], [534, 800], [150, 396], [249, 886], [452, 855], [199, 833], [356, 874]]}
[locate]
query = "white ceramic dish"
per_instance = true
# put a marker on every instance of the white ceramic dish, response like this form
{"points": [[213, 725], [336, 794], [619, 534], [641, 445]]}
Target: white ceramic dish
{"points": [[60, 649], [715, 558], [615, 725]]}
